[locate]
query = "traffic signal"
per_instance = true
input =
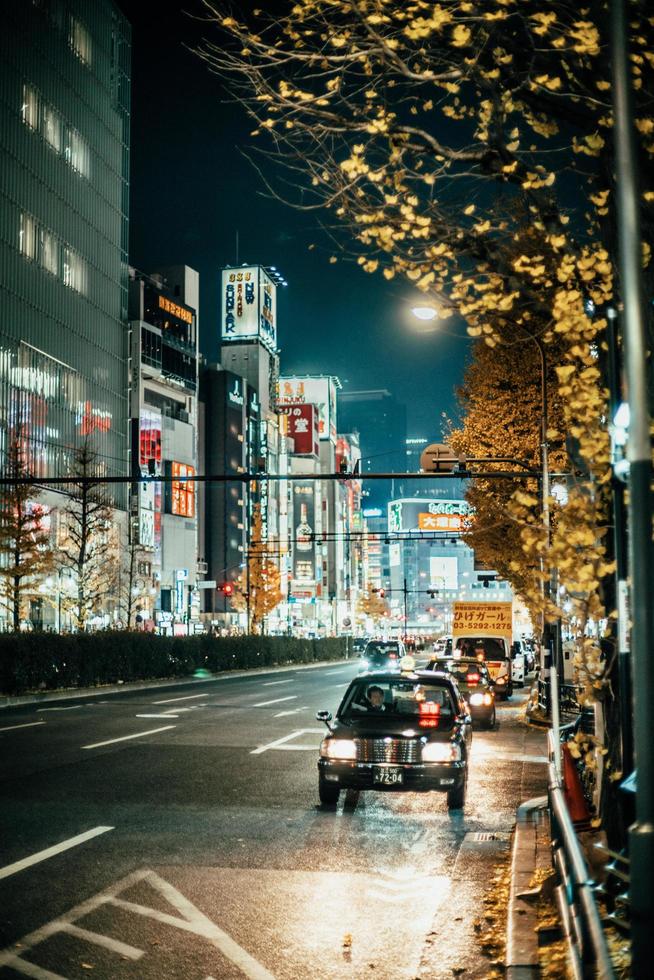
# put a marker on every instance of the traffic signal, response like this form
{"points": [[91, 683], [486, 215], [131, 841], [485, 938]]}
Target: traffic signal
{"points": [[227, 589]]}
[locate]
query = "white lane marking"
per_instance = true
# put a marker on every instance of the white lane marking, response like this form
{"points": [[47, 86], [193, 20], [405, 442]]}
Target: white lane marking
{"points": [[292, 711], [187, 697], [190, 920], [196, 922], [168, 714], [264, 704], [343, 670], [65, 845], [114, 945], [125, 738], [297, 748], [29, 724], [286, 738], [273, 683]]}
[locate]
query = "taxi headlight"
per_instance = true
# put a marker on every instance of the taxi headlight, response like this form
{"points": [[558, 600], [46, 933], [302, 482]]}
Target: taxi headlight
{"points": [[441, 752], [477, 698], [338, 748]]}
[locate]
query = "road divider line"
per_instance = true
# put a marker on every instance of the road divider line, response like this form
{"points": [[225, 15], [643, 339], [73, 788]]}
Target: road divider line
{"points": [[187, 697], [69, 707], [65, 845], [264, 704], [286, 738], [168, 714], [125, 738], [114, 945], [29, 724], [342, 670], [273, 683]]}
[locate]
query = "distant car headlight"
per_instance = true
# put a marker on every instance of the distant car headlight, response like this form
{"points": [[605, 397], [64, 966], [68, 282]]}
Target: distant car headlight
{"points": [[338, 748], [441, 752], [479, 698]]}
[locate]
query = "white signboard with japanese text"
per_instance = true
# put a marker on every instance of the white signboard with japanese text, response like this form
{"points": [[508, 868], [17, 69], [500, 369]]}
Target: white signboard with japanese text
{"points": [[319, 391], [249, 306]]}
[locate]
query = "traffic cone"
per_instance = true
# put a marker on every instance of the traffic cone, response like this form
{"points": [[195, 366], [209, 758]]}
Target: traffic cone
{"points": [[574, 796]]}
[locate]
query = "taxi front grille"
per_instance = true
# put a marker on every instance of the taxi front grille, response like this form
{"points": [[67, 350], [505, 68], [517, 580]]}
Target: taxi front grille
{"points": [[395, 750]]}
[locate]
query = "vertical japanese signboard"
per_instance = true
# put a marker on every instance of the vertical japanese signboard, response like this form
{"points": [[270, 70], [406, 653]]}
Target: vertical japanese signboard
{"points": [[304, 546], [249, 306]]}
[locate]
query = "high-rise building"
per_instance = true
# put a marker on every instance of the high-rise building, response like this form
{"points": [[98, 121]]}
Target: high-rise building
{"points": [[64, 138], [164, 387], [380, 420]]}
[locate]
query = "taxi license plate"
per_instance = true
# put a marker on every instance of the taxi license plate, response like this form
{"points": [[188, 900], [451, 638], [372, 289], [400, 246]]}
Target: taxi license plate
{"points": [[388, 777]]}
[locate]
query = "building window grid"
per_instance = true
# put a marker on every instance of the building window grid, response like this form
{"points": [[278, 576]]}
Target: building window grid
{"points": [[41, 245], [65, 140], [79, 40]]}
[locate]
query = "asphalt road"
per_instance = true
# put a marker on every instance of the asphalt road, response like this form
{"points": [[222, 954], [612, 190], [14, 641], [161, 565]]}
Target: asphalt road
{"points": [[176, 833]]}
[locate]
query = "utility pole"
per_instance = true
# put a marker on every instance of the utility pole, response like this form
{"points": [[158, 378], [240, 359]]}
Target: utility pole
{"points": [[405, 609], [641, 833]]}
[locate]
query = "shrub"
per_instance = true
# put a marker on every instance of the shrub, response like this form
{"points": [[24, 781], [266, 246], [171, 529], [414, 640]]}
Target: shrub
{"points": [[47, 661]]}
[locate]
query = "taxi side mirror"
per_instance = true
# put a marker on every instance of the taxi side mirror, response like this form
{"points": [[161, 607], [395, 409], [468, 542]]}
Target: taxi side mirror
{"points": [[326, 717]]}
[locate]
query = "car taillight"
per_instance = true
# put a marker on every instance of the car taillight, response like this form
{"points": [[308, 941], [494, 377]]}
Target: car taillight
{"points": [[392, 656], [473, 678], [429, 713]]}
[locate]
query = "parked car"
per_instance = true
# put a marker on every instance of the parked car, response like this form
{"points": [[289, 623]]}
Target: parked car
{"points": [[382, 655], [397, 732], [475, 684]]}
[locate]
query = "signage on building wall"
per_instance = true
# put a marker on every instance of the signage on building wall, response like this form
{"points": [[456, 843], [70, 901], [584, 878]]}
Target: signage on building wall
{"points": [[150, 438], [319, 391], [304, 545], [181, 312], [249, 306], [302, 427], [235, 393], [180, 493], [416, 514]]}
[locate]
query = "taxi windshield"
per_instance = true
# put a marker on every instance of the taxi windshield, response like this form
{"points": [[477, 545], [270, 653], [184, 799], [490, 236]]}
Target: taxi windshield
{"points": [[408, 700]]}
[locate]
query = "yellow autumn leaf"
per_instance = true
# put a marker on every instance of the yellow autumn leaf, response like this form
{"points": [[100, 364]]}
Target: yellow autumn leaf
{"points": [[461, 35]]}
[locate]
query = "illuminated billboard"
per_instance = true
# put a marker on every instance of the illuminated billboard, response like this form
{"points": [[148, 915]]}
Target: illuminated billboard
{"points": [[319, 391], [180, 493], [249, 306], [304, 548], [419, 514], [301, 425]]}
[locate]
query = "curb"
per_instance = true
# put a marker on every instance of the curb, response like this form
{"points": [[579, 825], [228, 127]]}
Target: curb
{"points": [[153, 685], [521, 935]]}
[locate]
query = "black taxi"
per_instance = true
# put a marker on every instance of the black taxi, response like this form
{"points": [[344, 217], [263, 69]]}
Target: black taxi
{"points": [[474, 682], [408, 732]]}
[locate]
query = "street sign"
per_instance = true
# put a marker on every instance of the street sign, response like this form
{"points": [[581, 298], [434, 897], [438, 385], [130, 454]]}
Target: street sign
{"points": [[208, 584], [438, 458]]}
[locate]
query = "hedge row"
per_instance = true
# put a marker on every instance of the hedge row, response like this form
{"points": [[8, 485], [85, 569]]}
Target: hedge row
{"points": [[46, 661]]}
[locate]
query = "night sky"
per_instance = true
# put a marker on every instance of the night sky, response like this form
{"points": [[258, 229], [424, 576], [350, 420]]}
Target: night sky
{"points": [[191, 189]]}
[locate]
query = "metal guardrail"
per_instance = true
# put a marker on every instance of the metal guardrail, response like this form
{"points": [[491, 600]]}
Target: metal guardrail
{"points": [[580, 918]]}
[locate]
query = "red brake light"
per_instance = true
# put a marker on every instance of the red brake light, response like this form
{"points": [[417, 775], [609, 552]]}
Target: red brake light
{"points": [[392, 656], [429, 714], [473, 678]]}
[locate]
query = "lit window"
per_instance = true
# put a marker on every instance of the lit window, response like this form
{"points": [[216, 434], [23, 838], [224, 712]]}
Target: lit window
{"points": [[30, 107], [76, 152], [48, 251], [73, 270], [51, 127], [27, 236], [80, 40]]}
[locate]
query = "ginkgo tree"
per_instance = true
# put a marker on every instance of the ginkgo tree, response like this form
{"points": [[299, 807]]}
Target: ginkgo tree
{"points": [[467, 147], [258, 590]]}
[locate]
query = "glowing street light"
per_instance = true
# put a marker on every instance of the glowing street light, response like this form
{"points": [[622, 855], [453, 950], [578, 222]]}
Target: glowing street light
{"points": [[424, 312]]}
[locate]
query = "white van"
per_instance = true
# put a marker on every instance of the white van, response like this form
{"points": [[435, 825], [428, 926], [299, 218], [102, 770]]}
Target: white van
{"points": [[494, 652]]}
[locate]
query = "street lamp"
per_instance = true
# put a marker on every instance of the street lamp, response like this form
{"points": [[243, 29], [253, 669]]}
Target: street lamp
{"points": [[424, 312]]}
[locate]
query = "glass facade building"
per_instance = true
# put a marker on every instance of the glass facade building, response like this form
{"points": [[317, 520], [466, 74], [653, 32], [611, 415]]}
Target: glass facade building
{"points": [[64, 185]]}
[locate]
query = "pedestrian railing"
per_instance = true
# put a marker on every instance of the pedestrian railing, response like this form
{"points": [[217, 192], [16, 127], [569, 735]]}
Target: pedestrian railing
{"points": [[614, 890], [580, 918]]}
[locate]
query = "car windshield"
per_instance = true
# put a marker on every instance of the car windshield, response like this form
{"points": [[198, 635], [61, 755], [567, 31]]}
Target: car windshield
{"points": [[410, 700], [480, 648]]}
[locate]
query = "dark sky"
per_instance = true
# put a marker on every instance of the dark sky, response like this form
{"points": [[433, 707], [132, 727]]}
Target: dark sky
{"points": [[191, 189]]}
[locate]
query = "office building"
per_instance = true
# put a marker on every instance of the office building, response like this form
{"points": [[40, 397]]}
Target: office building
{"points": [[380, 420], [64, 135]]}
